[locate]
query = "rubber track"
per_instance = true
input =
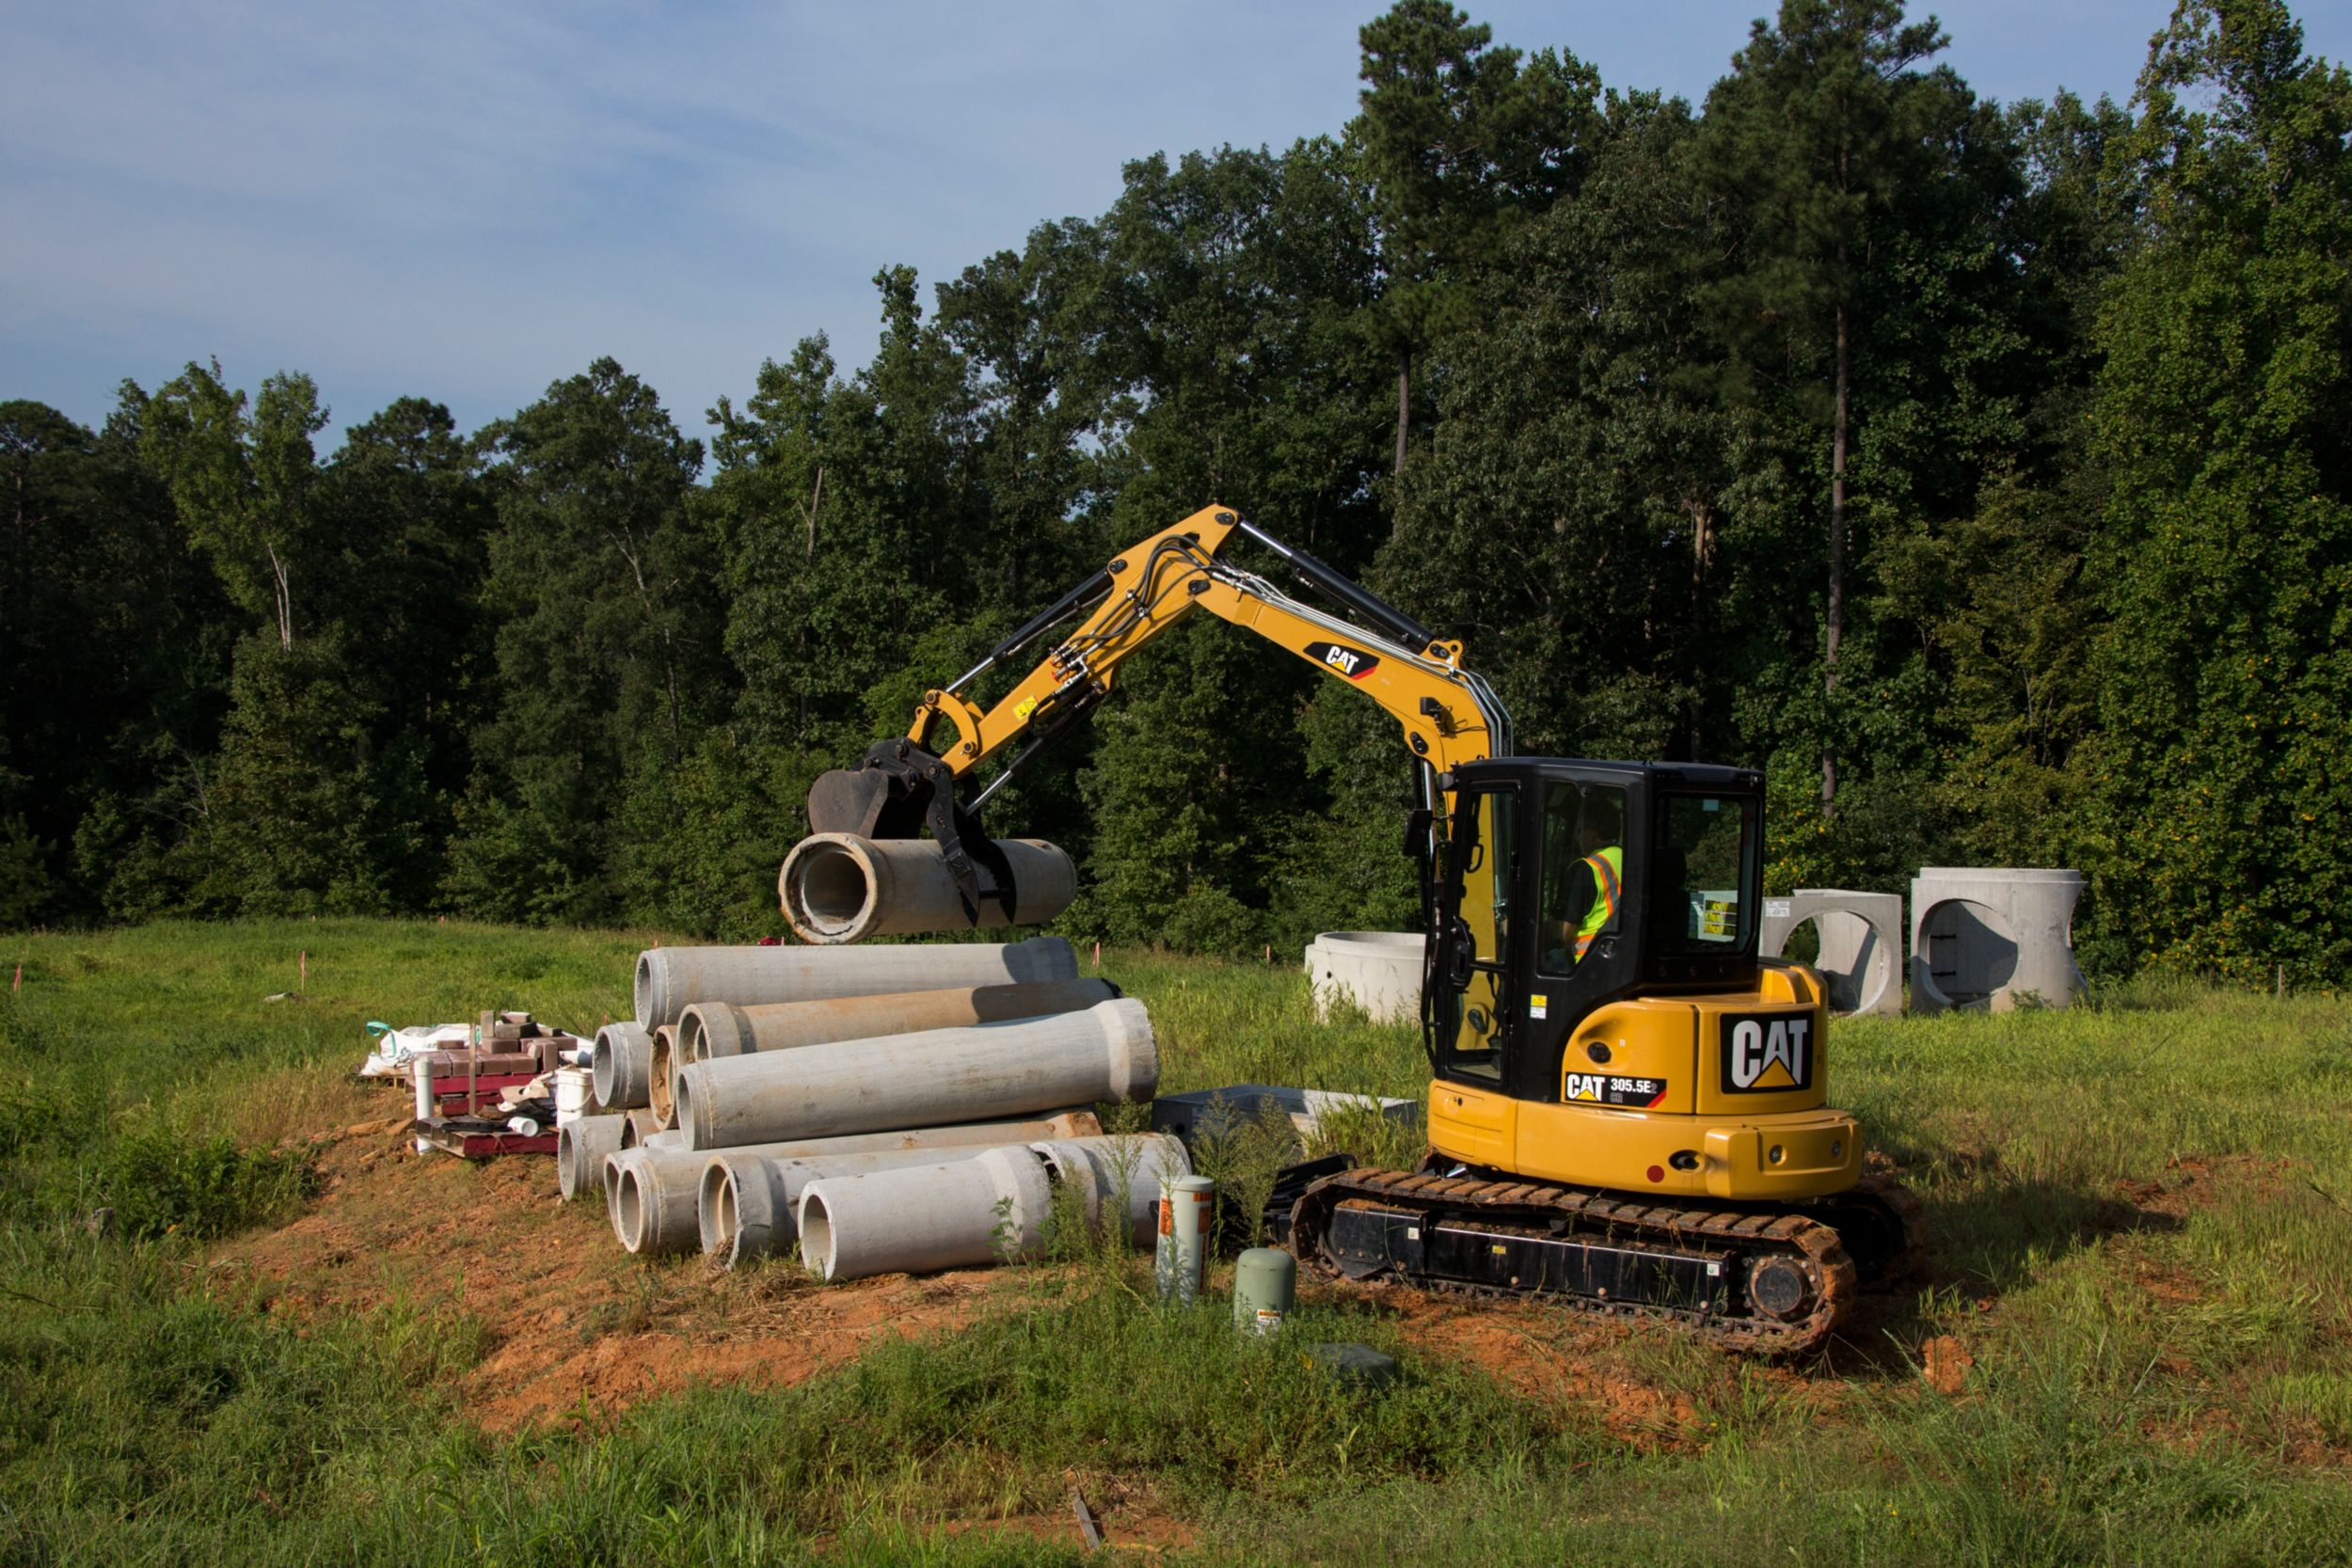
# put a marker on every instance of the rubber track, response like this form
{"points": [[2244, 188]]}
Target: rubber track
{"points": [[1814, 1246]]}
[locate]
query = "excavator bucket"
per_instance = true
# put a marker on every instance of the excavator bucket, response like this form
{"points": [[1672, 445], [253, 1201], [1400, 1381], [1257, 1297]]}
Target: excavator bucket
{"points": [[891, 792], [847, 801]]}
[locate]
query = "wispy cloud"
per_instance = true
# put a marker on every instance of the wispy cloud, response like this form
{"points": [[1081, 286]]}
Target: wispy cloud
{"points": [[471, 200]]}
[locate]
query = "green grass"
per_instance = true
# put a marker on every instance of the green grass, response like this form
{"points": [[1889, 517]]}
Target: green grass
{"points": [[2142, 1241]]}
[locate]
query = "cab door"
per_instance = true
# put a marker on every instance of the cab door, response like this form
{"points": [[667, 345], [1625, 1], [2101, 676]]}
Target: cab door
{"points": [[1474, 1005]]}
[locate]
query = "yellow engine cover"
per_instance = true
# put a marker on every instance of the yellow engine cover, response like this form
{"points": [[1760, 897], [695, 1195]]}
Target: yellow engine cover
{"points": [[1717, 1096]]}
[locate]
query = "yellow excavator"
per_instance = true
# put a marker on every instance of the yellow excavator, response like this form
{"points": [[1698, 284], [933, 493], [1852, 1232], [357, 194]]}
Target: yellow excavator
{"points": [[1628, 1107]]}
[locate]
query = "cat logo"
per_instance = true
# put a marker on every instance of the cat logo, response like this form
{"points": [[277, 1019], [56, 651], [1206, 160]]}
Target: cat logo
{"points": [[1340, 659], [1767, 1053], [1602, 1088]]}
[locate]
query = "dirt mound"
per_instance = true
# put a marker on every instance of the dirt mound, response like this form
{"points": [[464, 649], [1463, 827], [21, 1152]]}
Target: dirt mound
{"points": [[572, 1328]]}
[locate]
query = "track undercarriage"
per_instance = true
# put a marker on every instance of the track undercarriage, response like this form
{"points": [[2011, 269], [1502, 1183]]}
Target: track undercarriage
{"points": [[1777, 1280]]}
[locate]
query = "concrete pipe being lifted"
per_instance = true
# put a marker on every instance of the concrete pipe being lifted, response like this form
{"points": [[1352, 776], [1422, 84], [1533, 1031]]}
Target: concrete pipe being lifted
{"points": [[841, 888], [924, 1218], [710, 1029], [580, 1146], [672, 979], [1111, 1173], [621, 1063], [914, 1079]]}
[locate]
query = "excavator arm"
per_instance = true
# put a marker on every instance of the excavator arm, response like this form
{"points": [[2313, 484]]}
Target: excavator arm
{"points": [[1448, 715]]}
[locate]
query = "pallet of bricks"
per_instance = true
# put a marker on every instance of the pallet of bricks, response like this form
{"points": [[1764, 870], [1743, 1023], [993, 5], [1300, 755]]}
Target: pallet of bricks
{"points": [[888, 1109]]}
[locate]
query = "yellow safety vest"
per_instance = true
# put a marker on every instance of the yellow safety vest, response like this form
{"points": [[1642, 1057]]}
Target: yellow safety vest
{"points": [[1607, 871]]}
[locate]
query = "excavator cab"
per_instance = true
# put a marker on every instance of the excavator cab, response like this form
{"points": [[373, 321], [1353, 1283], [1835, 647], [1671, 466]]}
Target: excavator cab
{"points": [[1564, 886]]}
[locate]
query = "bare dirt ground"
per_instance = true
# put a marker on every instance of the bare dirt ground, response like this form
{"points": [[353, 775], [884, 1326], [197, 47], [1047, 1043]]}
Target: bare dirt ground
{"points": [[573, 1330]]}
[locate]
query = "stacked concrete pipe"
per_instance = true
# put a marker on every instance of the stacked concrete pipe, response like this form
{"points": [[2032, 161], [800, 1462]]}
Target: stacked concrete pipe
{"points": [[580, 1146], [1105, 1053], [621, 1066], [1116, 1180], [652, 1193], [747, 1201], [671, 979], [841, 888], [926, 1217], [710, 1029], [660, 1081]]}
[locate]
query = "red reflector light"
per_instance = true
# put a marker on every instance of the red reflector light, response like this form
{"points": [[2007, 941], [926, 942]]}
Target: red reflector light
{"points": [[1658, 1173]]}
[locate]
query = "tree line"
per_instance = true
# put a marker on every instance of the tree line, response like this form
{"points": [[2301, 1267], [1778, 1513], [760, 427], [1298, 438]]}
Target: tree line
{"points": [[1977, 470]]}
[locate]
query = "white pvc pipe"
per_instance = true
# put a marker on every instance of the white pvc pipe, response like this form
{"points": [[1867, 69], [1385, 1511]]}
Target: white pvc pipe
{"points": [[936, 1076], [718, 1029], [926, 1217], [841, 888], [421, 1071], [580, 1146], [671, 979], [1118, 1173], [622, 1063], [747, 1202]]}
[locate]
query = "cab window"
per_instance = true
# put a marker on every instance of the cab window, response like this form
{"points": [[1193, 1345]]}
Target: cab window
{"points": [[1703, 891], [1584, 872]]}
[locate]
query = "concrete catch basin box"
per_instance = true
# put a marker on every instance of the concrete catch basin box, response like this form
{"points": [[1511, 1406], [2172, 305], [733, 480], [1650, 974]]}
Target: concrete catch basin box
{"points": [[1377, 970]]}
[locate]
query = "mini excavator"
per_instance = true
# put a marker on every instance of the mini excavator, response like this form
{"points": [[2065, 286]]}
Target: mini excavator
{"points": [[1628, 1107]]}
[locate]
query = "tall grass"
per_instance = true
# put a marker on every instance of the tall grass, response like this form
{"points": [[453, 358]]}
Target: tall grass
{"points": [[2142, 1243]]}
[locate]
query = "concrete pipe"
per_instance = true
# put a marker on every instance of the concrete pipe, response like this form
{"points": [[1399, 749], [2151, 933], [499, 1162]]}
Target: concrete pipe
{"points": [[672, 979], [841, 887], [620, 1063], [580, 1146], [926, 1217], [1115, 1173], [717, 1029], [976, 1135], [918, 1080], [660, 1084], [641, 1126], [649, 1196], [748, 1202]]}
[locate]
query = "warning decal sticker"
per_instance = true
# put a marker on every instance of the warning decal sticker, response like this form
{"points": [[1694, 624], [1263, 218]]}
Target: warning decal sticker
{"points": [[1603, 1089]]}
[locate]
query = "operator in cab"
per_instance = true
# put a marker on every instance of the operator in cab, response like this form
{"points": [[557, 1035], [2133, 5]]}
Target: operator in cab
{"points": [[1590, 907]]}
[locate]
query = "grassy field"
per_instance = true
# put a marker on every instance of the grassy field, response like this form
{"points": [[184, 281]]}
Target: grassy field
{"points": [[2136, 1346]]}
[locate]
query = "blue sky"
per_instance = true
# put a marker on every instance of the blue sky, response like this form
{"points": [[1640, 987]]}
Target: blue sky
{"points": [[468, 201]]}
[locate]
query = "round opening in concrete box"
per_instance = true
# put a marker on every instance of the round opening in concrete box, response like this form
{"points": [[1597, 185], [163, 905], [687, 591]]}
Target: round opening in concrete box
{"points": [[1970, 951]]}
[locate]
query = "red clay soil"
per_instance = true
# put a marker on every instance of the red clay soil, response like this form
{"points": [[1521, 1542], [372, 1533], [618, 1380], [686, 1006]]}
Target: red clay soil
{"points": [[573, 1327]]}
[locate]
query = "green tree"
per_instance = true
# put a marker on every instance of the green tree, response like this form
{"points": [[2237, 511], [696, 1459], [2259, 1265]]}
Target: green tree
{"points": [[608, 640], [2223, 424], [1463, 141], [1813, 137]]}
